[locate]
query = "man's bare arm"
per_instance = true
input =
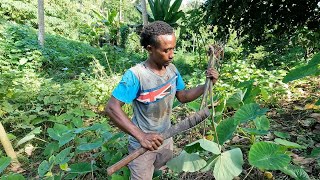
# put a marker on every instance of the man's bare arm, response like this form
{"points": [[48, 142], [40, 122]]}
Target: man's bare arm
{"points": [[149, 141]]}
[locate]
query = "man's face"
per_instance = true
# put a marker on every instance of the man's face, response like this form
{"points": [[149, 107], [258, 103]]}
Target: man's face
{"points": [[164, 52]]}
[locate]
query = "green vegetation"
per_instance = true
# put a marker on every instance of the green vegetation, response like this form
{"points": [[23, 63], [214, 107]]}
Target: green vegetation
{"points": [[52, 98]]}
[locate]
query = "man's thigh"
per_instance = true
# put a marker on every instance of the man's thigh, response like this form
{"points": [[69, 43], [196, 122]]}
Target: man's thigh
{"points": [[142, 167]]}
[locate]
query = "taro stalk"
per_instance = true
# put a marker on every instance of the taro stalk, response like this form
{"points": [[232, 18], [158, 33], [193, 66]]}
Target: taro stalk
{"points": [[8, 148]]}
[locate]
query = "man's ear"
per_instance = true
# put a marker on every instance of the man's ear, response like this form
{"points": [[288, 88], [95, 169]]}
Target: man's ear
{"points": [[149, 48]]}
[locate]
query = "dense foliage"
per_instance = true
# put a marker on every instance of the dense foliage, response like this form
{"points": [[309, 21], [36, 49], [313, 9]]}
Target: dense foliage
{"points": [[52, 98]]}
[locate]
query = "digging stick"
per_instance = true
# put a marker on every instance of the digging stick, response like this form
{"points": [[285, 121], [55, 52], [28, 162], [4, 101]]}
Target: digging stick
{"points": [[184, 125]]}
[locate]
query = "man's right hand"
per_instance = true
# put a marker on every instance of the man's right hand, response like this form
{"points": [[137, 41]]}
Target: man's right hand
{"points": [[151, 141]]}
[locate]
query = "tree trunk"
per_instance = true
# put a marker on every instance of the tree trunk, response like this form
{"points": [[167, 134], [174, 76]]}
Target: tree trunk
{"points": [[41, 23], [144, 12]]}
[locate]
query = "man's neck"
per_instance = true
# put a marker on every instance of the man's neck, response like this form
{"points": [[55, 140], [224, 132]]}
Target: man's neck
{"points": [[156, 68]]}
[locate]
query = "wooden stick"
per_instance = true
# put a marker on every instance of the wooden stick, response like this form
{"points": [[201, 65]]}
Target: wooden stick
{"points": [[184, 125]]}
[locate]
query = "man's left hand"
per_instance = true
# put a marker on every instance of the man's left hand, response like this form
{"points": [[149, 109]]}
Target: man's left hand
{"points": [[212, 74]]}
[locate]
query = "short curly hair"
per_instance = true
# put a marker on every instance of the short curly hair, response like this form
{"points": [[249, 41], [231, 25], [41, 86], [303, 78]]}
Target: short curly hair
{"points": [[150, 32]]}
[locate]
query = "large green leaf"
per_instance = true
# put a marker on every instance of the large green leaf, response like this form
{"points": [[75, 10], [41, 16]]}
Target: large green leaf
{"points": [[228, 165], [43, 168], [64, 156], [82, 168], [165, 5], [236, 99], [4, 163], [29, 136], [12, 177], [288, 143], [262, 123], [175, 6], [249, 112], [61, 133], [255, 131], [295, 172], [186, 162], [225, 130], [175, 17], [202, 144], [310, 69], [318, 103], [90, 146], [269, 156]]}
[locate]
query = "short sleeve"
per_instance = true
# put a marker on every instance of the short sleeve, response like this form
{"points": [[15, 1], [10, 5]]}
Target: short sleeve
{"points": [[180, 83], [128, 88]]}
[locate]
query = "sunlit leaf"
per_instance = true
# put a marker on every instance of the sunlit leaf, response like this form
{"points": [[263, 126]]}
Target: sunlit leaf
{"points": [[249, 112], [295, 172], [283, 135], [90, 146], [262, 123], [269, 156], [186, 162], [202, 144], [228, 164], [255, 131], [288, 143]]}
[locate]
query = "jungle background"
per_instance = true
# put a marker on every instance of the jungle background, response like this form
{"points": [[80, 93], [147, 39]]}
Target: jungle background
{"points": [[266, 123]]}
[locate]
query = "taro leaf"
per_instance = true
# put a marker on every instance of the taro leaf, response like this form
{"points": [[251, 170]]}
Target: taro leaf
{"points": [[90, 113], [12, 177], [78, 112], [67, 138], [82, 168], [29, 136], [61, 133], [43, 168], [249, 112], [228, 165], [295, 172], [210, 163], [268, 156], [64, 156], [255, 131], [90, 146], [93, 101], [235, 100], [4, 163], [77, 121], [195, 106], [315, 152], [186, 162], [283, 135], [288, 143], [310, 69], [51, 148], [202, 144], [262, 123], [225, 130]]}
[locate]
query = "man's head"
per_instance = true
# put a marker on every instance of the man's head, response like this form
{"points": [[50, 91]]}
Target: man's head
{"points": [[159, 40], [150, 33]]}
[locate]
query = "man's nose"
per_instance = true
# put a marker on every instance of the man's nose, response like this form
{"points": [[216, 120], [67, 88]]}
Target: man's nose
{"points": [[171, 54]]}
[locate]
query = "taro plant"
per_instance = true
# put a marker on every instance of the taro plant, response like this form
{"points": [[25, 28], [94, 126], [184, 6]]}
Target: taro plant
{"points": [[93, 143], [225, 159]]}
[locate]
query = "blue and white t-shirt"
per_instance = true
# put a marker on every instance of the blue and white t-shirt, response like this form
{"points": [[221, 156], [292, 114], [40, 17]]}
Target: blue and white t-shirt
{"points": [[151, 96]]}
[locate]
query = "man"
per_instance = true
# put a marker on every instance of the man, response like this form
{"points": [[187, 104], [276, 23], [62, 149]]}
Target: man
{"points": [[151, 87]]}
